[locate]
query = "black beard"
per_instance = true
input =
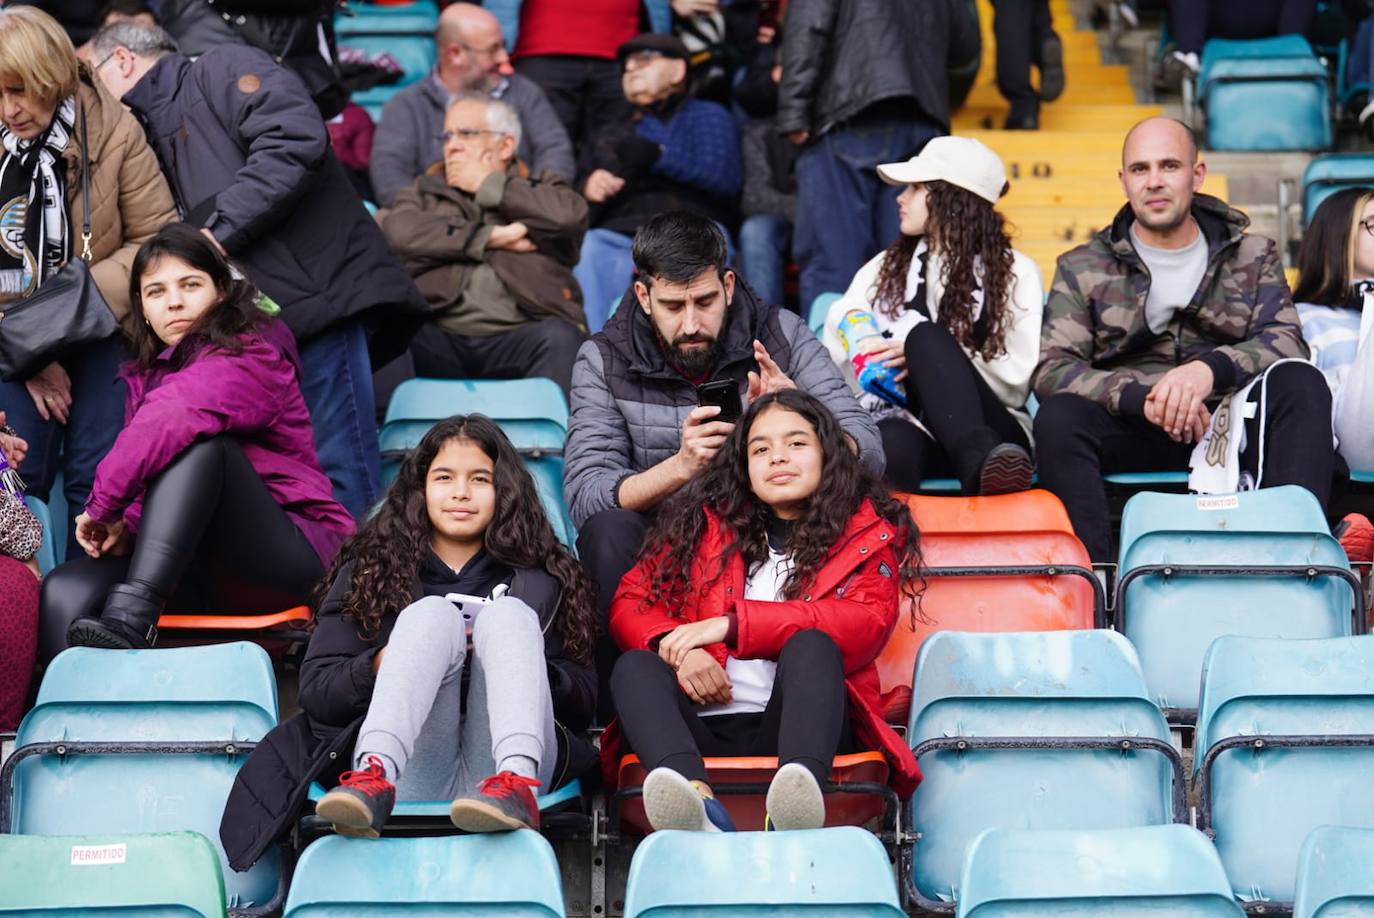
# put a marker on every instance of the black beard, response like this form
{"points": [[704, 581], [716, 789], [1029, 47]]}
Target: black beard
{"points": [[695, 362]]}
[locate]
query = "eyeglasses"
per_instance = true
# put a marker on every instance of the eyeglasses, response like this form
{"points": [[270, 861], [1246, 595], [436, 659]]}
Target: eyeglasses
{"points": [[103, 61], [467, 134], [1368, 225]]}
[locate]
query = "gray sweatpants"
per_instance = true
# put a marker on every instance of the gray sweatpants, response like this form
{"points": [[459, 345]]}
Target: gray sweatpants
{"points": [[432, 749]]}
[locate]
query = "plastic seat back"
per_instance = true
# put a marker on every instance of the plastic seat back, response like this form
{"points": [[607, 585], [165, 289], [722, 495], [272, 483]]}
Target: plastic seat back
{"points": [[1155, 870], [1265, 94], [1329, 173], [1172, 619], [1035, 685], [1336, 874], [1014, 530], [48, 551], [820, 306], [222, 694], [168, 875], [1261, 796], [839, 873], [510, 874]]}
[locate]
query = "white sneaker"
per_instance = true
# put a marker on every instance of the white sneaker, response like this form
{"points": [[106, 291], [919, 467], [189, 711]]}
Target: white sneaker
{"points": [[795, 800], [673, 802], [1129, 14], [1366, 113], [1188, 59]]}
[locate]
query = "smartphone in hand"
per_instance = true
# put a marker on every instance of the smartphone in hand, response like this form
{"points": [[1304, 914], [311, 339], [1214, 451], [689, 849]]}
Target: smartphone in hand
{"points": [[724, 394]]}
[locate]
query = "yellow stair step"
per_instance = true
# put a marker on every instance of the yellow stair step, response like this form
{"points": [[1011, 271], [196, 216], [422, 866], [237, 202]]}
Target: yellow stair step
{"points": [[1086, 71], [1090, 119], [1041, 145], [1076, 92]]}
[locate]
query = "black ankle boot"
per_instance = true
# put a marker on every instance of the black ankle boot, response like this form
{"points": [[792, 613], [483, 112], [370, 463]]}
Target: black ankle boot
{"points": [[128, 622], [986, 465]]}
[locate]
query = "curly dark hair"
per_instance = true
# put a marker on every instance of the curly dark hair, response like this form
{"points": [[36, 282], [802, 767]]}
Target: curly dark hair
{"points": [[221, 327], [724, 488], [389, 549], [966, 231]]}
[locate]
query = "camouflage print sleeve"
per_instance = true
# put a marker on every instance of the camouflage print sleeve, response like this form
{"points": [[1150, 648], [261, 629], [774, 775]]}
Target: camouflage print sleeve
{"points": [[1067, 344], [1275, 330]]}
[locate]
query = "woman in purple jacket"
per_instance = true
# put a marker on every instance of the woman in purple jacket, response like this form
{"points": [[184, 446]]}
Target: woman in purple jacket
{"points": [[212, 498]]}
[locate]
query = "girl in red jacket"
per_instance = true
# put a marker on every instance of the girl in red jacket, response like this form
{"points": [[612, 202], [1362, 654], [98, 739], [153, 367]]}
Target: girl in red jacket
{"points": [[752, 620]]}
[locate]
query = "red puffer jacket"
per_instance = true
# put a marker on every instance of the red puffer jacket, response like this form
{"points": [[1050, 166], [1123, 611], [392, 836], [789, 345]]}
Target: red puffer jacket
{"points": [[854, 600]]}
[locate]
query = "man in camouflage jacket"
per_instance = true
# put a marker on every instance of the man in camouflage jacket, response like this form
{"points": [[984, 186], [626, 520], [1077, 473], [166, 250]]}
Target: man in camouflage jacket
{"points": [[1128, 383]]}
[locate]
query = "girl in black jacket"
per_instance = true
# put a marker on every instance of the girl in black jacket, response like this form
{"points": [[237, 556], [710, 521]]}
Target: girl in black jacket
{"points": [[433, 697]]}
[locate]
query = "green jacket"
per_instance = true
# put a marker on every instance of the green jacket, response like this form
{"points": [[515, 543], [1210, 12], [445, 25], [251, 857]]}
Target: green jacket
{"points": [[1095, 343]]}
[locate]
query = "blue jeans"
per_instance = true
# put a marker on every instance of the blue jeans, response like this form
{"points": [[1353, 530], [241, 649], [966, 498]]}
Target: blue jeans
{"points": [[845, 213], [603, 272], [764, 240], [74, 449], [336, 381]]}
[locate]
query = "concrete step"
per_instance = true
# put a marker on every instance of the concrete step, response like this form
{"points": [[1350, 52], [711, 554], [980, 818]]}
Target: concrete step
{"points": [[1077, 91], [1105, 120]]}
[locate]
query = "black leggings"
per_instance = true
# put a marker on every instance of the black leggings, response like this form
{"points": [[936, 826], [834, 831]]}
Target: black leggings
{"points": [[211, 538], [806, 719], [955, 403]]}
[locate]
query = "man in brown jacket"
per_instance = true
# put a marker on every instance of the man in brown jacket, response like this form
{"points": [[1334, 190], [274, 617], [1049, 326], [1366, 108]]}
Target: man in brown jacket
{"points": [[492, 250]]}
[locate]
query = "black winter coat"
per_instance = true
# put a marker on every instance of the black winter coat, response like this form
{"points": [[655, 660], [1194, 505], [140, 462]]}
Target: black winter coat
{"points": [[248, 157], [841, 56], [335, 690]]}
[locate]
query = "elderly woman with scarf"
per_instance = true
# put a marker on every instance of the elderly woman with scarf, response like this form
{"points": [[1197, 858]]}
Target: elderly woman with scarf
{"points": [[72, 408]]}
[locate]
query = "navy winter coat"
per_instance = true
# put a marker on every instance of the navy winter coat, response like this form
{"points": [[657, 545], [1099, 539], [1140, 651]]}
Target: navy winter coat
{"points": [[248, 157]]}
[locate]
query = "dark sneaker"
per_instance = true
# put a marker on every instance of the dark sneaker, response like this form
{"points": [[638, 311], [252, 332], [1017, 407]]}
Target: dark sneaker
{"points": [[673, 802], [1007, 468], [362, 802], [795, 800], [1051, 68], [108, 635], [503, 802]]}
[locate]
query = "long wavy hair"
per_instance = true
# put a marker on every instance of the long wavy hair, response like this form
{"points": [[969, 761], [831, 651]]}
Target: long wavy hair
{"points": [[222, 326], [1326, 259], [387, 552], [969, 234], [675, 539]]}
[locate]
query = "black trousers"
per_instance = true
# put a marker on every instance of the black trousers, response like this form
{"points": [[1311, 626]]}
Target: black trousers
{"points": [[211, 538], [1078, 440], [585, 92], [1194, 21], [1019, 28], [806, 719], [607, 546], [544, 348], [950, 397]]}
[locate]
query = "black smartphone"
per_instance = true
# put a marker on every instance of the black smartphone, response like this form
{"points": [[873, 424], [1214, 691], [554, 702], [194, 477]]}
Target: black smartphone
{"points": [[723, 393]]}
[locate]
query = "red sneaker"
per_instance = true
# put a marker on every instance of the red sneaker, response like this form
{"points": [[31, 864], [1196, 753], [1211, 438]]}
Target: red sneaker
{"points": [[1356, 535], [362, 802], [502, 802]]}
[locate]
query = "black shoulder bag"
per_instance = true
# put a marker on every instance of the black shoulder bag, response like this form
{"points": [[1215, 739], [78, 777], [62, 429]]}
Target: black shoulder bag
{"points": [[66, 309]]}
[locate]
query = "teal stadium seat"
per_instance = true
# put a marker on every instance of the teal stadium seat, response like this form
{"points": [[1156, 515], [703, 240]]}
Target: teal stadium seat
{"points": [[1193, 568], [841, 872], [506, 874], [532, 412], [405, 31], [47, 552], [1122, 873], [1329, 173], [819, 307], [143, 741], [1336, 874], [1264, 94], [1284, 744], [164, 875], [1038, 730]]}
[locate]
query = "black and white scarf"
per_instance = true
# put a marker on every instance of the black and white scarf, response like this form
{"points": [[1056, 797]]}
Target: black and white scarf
{"points": [[35, 236]]}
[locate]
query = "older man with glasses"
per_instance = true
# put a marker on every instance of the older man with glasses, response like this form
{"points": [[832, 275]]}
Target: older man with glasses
{"points": [[493, 251], [471, 57]]}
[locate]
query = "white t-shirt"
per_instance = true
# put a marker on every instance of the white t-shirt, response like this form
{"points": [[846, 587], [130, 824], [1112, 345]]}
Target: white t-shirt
{"points": [[751, 681]]}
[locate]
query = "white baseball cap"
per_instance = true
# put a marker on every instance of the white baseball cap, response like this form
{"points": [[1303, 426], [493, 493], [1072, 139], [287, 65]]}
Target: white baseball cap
{"points": [[961, 161]]}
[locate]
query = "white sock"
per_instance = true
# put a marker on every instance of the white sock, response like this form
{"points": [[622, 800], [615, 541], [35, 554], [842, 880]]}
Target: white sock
{"points": [[521, 765]]}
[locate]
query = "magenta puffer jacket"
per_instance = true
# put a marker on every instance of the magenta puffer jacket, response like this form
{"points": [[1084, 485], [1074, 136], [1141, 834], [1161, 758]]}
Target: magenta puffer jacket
{"points": [[253, 396]]}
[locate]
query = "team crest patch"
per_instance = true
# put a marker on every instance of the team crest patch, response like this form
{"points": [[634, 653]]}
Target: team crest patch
{"points": [[884, 569], [249, 84]]}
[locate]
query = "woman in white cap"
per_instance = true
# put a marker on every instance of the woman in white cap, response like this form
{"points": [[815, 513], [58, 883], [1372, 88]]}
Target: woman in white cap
{"points": [[942, 330]]}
